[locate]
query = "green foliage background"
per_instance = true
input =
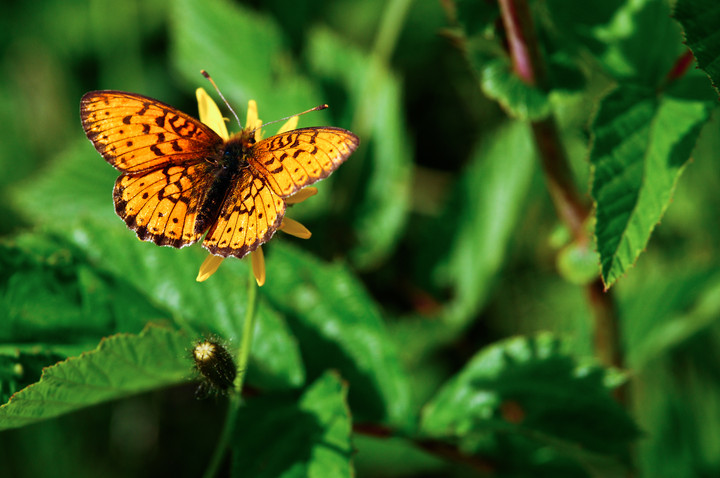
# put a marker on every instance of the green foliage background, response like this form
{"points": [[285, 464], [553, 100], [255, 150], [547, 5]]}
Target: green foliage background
{"points": [[433, 325]]}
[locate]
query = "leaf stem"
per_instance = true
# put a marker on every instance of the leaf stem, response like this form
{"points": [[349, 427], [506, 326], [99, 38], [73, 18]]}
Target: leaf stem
{"points": [[522, 42], [236, 396], [571, 208]]}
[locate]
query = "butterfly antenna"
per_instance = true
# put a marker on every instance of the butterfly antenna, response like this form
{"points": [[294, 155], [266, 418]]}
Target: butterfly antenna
{"points": [[207, 75], [317, 108]]}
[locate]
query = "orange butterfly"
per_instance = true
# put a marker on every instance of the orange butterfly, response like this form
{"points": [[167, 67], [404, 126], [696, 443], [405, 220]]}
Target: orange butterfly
{"points": [[180, 179]]}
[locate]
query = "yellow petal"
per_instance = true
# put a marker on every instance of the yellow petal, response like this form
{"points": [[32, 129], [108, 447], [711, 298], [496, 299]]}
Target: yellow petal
{"points": [[294, 228], [208, 267], [252, 120], [258, 264], [210, 113], [301, 195], [289, 125]]}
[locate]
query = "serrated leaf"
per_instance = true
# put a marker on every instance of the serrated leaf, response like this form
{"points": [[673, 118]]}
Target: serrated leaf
{"points": [[50, 294], [580, 20], [217, 305], [498, 80], [339, 326], [165, 276], [642, 141], [310, 438], [530, 393], [621, 44], [122, 365], [518, 99], [700, 20], [375, 101], [617, 32]]}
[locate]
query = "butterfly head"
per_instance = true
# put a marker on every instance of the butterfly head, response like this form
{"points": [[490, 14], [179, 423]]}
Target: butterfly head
{"points": [[235, 151]]}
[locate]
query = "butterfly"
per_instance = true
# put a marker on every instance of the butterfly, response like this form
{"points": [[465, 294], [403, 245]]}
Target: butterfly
{"points": [[181, 180]]}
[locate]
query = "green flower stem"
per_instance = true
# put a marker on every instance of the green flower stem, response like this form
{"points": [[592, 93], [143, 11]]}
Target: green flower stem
{"points": [[392, 21], [236, 397], [248, 329], [228, 427]]}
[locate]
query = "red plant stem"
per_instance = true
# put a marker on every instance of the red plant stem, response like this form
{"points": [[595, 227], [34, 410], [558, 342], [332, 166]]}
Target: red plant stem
{"points": [[680, 67], [608, 343], [438, 448], [571, 208], [451, 452], [524, 51]]}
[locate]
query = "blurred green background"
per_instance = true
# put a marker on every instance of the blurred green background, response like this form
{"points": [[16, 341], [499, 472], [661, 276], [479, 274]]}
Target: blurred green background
{"points": [[402, 213]]}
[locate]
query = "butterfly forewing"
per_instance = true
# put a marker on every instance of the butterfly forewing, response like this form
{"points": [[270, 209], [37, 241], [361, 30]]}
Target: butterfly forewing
{"points": [[250, 215], [290, 161], [135, 133]]}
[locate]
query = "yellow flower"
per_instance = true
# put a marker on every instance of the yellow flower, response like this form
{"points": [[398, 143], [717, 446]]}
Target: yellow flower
{"points": [[211, 116]]}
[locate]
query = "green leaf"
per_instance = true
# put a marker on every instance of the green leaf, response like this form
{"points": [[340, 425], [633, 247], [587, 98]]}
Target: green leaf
{"points": [[700, 20], [476, 17], [642, 141], [245, 52], [164, 276], [493, 66], [338, 325], [489, 203], [581, 21], [527, 393], [667, 314], [375, 100], [678, 407], [638, 45], [19, 368], [477, 225], [616, 32], [78, 181], [51, 294], [218, 305], [121, 365], [501, 83], [310, 438]]}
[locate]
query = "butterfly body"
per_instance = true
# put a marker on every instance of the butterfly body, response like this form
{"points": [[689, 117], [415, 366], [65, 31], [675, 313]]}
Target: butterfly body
{"points": [[181, 180]]}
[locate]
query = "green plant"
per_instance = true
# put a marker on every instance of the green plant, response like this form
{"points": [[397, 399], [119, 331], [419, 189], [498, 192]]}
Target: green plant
{"points": [[449, 316]]}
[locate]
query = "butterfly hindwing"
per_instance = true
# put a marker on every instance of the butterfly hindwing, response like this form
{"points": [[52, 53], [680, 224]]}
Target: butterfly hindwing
{"points": [[249, 216], [290, 161], [166, 205], [135, 133]]}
